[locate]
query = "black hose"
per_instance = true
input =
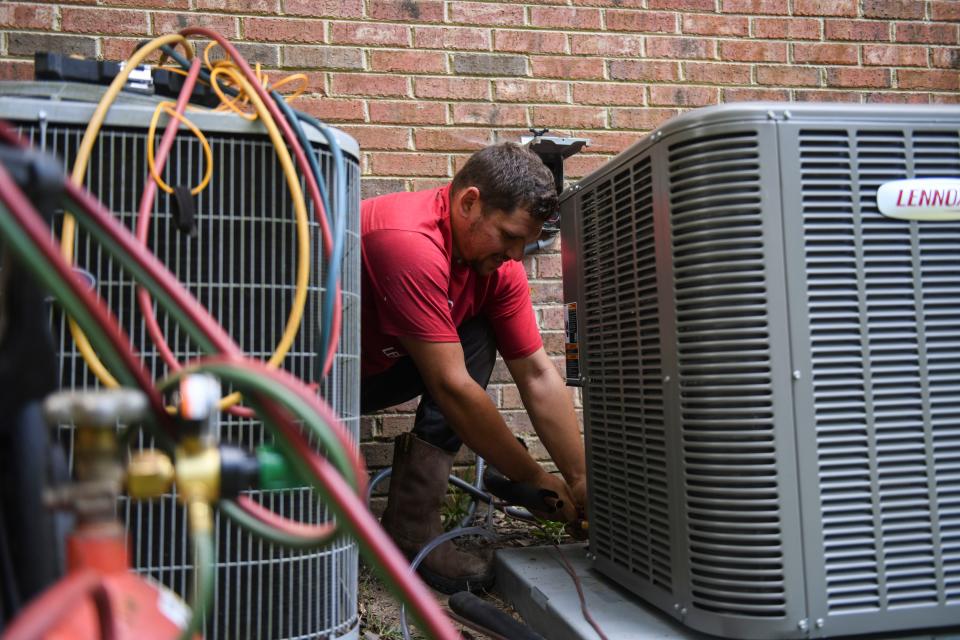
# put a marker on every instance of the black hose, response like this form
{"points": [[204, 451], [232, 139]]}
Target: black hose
{"points": [[490, 617]]}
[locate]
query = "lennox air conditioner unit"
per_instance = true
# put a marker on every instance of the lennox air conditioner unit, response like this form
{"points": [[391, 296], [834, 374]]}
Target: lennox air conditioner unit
{"points": [[240, 265], [771, 369]]}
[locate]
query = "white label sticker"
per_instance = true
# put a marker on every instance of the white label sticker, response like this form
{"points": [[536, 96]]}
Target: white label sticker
{"points": [[175, 609], [932, 199]]}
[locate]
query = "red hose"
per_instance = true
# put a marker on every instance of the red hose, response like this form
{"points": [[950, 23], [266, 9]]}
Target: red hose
{"points": [[146, 204], [33, 225], [372, 538], [305, 169], [63, 598]]}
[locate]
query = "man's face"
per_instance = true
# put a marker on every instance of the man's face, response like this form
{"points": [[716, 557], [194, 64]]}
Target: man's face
{"points": [[487, 240]]}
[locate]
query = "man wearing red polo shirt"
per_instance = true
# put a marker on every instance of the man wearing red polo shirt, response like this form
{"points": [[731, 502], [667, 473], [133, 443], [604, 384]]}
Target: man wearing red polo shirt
{"points": [[443, 290]]}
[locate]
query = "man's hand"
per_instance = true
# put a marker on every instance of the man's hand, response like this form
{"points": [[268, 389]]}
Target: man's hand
{"points": [[568, 511], [579, 492]]}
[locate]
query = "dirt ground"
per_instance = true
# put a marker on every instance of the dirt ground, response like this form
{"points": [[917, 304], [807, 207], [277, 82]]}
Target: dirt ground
{"points": [[380, 611]]}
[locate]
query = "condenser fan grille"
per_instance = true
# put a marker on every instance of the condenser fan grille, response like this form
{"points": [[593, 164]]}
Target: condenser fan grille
{"points": [[625, 406]]}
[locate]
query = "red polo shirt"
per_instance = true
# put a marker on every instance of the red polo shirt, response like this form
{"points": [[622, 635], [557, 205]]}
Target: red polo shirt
{"points": [[412, 286]]}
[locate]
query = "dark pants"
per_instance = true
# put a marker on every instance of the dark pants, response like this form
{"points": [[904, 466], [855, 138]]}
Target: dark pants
{"points": [[402, 382]]}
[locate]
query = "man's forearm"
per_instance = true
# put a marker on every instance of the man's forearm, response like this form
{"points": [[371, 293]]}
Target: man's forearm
{"points": [[548, 402], [471, 414]]}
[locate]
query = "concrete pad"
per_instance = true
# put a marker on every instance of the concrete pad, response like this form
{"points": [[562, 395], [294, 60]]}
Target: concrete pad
{"points": [[534, 581]]}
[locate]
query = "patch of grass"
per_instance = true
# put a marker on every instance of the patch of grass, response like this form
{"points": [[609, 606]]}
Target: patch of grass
{"points": [[454, 509], [549, 531]]}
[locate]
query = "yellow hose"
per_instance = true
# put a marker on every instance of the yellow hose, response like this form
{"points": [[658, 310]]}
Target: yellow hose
{"points": [[293, 183], [80, 170]]}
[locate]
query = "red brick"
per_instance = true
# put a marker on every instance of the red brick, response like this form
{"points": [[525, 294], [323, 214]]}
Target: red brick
{"points": [[319, 8], [460, 38], [408, 164], [566, 67], [926, 33], [246, 6], [581, 165], [889, 9], [104, 21], [788, 76], [858, 78], [16, 70], [537, 91], [422, 184], [548, 265], [377, 454], [945, 10], [935, 80], [380, 138], [825, 53], [173, 22], [945, 58], [857, 30], [640, 119], [286, 30], [643, 70], [410, 11], [452, 88], [530, 41], [369, 35], [948, 98], [886, 97], [828, 96], [313, 57], [553, 343], [553, 317], [358, 84], [821, 8], [716, 73], [316, 81], [787, 28], [332, 110], [641, 21], [549, 291], [366, 428], [631, 94], [583, 117], [761, 7], [385, 112], [485, 13], [682, 48], [886, 55], [511, 398], [752, 51], [734, 94], [408, 61], [150, 4], [566, 18], [122, 48], [708, 25], [602, 142], [619, 4], [606, 45], [399, 422], [683, 96], [497, 115], [682, 5], [32, 16], [451, 139]]}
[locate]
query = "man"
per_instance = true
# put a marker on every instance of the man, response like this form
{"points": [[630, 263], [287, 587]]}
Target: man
{"points": [[443, 290]]}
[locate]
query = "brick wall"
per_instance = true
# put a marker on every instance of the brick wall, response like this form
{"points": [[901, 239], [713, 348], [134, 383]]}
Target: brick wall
{"points": [[422, 83]]}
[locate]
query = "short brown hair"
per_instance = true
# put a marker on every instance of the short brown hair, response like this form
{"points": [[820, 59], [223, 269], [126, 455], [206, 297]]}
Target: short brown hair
{"points": [[508, 177]]}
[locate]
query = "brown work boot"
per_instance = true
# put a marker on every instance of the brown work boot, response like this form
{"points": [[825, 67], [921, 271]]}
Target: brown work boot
{"points": [[418, 486]]}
